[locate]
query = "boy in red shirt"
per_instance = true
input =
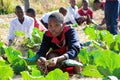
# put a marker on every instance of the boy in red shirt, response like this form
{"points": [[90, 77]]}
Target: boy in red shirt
{"points": [[31, 12], [86, 12]]}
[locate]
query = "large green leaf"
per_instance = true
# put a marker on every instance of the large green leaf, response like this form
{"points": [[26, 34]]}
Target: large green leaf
{"points": [[117, 38], [35, 72], [116, 72], [91, 31], [109, 59], [17, 62], [27, 76], [109, 62], [84, 56], [19, 65], [91, 71], [106, 37], [37, 35], [57, 74], [104, 71], [12, 54], [6, 71]]}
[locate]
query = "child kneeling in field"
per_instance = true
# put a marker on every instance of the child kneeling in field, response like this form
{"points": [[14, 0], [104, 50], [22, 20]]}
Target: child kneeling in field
{"points": [[64, 43]]}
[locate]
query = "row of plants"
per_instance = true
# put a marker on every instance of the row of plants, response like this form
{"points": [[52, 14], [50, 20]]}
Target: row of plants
{"points": [[12, 61], [100, 57]]}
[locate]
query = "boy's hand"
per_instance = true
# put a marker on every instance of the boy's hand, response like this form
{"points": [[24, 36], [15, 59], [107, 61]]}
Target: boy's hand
{"points": [[52, 62], [41, 61]]}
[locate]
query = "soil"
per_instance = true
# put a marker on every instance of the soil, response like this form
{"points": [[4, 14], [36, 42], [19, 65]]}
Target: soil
{"points": [[4, 30]]}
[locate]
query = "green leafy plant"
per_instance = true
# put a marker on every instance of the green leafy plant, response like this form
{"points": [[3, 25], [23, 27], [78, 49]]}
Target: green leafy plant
{"points": [[103, 62], [19, 33], [27, 76], [35, 40], [91, 70], [6, 71], [2, 48], [56, 74], [17, 62]]}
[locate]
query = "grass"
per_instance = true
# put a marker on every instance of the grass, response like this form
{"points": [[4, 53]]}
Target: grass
{"points": [[41, 6]]}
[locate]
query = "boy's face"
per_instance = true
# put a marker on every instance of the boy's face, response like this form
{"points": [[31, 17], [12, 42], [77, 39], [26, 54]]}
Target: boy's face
{"points": [[73, 3], [30, 14], [64, 13], [55, 27], [85, 5], [19, 13], [97, 5]]}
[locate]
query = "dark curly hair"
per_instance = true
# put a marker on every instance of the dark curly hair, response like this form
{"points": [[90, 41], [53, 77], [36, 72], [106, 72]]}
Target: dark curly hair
{"points": [[31, 10], [96, 1]]}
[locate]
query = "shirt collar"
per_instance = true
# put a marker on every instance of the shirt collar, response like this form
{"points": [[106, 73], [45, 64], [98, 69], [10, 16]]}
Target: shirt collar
{"points": [[54, 39]]}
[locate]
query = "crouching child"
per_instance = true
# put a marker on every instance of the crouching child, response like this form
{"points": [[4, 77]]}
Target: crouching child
{"points": [[59, 43]]}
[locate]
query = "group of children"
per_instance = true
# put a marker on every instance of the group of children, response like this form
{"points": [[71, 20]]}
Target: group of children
{"points": [[60, 41]]}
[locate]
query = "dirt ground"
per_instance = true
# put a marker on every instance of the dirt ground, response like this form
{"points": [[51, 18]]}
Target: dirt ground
{"points": [[4, 30]]}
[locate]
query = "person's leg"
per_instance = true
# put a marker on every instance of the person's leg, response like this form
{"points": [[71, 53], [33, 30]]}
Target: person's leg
{"points": [[114, 17], [107, 15], [119, 16], [76, 68]]}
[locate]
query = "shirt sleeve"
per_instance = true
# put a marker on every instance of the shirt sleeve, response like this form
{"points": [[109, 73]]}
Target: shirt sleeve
{"points": [[11, 31], [91, 13], [73, 44], [44, 47], [72, 18], [77, 15]]}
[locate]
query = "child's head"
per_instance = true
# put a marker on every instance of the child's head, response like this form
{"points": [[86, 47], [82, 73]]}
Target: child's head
{"points": [[85, 4], [97, 4], [30, 12], [19, 12], [55, 23], [72, 3], [63, 11]]}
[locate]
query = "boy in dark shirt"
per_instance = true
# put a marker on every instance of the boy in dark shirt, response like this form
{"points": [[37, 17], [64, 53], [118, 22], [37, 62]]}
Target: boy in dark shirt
{"points": [[63, 41]]}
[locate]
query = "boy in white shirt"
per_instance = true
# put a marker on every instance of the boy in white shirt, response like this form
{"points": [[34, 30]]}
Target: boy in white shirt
{"points": [[44, 19], [72, 13], [20, 23]]}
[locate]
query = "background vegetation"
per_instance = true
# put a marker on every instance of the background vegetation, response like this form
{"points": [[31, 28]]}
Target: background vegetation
{"points": [[41, 6]]}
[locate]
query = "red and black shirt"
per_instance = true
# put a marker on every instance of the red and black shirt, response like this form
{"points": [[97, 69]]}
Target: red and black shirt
{"points": [[69, 43]]}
